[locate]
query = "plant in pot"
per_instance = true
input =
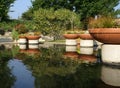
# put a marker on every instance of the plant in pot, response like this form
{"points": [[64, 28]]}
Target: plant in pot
{"points": [[33, 37], [105, 30], [85, 35], [71, 34]]}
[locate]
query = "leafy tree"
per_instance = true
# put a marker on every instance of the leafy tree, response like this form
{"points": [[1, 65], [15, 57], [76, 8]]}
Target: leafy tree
{"points": [[4, 8], [85, 8], [53, 22], [28, 15]]}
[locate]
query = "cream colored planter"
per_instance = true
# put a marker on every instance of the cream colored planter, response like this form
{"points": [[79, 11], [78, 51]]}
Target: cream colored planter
{"points": [[71, 42], [22, 40], [110, 53], [110, 76], [33, 41], [86, 43]]}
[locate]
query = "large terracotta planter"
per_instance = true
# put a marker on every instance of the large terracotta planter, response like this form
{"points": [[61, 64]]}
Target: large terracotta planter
{"points": [[106, 35], [71, 36], [86, 36]]}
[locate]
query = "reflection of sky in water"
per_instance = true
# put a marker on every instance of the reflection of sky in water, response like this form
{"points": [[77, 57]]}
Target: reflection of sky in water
{"points": [[24, 78]]}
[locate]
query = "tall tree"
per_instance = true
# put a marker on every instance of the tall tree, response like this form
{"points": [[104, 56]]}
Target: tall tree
{"points": [[85, 8], [4, 8]]}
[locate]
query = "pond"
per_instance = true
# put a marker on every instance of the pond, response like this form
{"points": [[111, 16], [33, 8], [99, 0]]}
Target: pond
{"points": [[55, 66]]}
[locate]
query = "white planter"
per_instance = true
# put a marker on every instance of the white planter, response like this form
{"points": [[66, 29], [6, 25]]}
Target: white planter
{"points": [[35, 46], [71, 48], [22, 40], [71, 42], [86, 43], [110, 76], [86, 50], [33, 41], [110, 53]]}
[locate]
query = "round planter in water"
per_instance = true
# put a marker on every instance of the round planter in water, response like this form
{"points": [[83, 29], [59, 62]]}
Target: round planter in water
{"points": [[71, 42], [110, 54], [86, 40], [33, 39]]}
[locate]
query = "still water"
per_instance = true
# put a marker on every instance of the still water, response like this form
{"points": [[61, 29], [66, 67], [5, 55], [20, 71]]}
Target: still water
{"points": [[55, 66]]}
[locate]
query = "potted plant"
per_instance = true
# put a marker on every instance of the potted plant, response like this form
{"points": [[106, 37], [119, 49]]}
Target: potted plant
{"points": [[85, 35], [33, 37], [105, 30], [22, 39], [86, 40], [71, 34], [71, 37]]}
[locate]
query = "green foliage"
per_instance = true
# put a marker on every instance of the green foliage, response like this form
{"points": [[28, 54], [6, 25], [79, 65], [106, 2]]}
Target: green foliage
{"points": [[4, 8], [53, 22], [104, 22], [28, 15], [85, 8], [15, 34]]}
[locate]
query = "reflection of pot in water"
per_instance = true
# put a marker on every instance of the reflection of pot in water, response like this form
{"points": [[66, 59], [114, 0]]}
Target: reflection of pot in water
{"points": [[110, 76], [86, 50], [33, 51], [33, 46], [88, 58], [110, 54], [71, 48], [22, 46], [71, 55], [22, 50]]}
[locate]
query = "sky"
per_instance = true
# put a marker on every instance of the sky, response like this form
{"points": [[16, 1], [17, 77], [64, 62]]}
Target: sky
{"points": [[21, 6]]}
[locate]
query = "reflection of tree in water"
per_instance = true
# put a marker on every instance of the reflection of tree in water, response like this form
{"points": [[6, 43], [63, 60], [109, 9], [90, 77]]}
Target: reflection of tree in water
{"points": [[6, 78], [51, 70]]}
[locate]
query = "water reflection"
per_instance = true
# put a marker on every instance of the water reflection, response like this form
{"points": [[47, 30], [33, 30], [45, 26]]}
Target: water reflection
{"points": [[111, 76], [24, 78], [22, 46], [33, 46], [50, 67], [71, 48], [86, 50], [7, 79]]}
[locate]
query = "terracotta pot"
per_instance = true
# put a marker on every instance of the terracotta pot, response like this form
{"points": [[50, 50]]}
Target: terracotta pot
{"points": [[86, 36], [71, 36], [32, 37], [106, 35]]}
